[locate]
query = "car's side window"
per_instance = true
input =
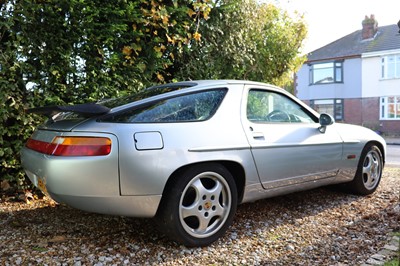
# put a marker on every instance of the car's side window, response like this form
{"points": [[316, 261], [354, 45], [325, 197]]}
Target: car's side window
{"points": [[268, 106], [185, 108]]}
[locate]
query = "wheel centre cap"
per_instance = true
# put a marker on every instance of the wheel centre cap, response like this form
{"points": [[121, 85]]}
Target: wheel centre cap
{"points": [[207, 205]]}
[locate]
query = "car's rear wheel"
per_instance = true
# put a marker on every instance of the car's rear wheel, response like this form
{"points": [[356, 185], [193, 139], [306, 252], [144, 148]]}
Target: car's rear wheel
{"points": [[199, 205], [369, 171]]}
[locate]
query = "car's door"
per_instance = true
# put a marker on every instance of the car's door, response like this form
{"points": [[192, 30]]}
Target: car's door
{"points": [[286, 143]]}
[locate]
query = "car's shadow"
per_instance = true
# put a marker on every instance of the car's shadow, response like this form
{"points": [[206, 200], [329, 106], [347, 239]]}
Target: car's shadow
{"points": [[61, 220]]}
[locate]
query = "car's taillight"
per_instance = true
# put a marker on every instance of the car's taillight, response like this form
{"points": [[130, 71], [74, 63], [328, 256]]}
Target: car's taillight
{"points": [[72, 146]]}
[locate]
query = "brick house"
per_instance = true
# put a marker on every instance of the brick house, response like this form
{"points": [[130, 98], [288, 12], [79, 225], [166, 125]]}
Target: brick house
{"points": [[356, 78]]}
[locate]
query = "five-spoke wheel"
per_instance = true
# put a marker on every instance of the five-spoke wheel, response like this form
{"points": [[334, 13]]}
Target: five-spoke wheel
{"points": [[369, 171], [205, 204], [200, 204]]}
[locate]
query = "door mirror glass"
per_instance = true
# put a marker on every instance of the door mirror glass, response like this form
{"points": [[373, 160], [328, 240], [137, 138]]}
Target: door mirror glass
{"points": [[326, 120]]}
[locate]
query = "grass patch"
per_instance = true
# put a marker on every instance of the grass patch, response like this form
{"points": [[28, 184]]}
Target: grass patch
{"points": [[394, 261]]}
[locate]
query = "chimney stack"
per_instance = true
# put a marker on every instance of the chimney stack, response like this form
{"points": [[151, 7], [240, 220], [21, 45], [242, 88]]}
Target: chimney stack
{"points": [[369, 27]]}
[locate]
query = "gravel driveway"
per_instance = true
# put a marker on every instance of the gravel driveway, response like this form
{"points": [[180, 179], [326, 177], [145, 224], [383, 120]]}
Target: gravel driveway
{"points": [[318, 227]]}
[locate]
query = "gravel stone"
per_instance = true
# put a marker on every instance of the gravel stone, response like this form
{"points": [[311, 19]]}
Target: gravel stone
{"points": [[324, 226]]}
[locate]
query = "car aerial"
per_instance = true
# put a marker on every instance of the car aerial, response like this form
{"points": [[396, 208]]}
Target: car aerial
{"points": [[187, 153]]}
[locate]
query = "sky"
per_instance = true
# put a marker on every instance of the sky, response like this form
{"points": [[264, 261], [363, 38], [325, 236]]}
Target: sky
{"points": [[329, 20]]}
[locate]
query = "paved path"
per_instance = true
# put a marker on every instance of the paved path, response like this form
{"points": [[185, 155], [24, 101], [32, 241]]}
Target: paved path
{"points": [[392, 249]]}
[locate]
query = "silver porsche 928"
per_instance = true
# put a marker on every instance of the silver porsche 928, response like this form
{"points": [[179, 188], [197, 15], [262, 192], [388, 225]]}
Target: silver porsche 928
{"points": [[188, 153]]}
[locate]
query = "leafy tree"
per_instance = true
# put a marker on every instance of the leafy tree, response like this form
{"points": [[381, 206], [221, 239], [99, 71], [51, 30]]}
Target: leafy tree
{"points": [[245, 40]]}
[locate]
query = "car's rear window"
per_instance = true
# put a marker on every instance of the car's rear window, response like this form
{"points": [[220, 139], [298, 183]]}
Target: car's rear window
{"points": [[115, 102], [197, 106]]}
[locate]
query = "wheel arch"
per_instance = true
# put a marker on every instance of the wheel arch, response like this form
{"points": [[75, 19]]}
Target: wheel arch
{"points": [[235, 168]]}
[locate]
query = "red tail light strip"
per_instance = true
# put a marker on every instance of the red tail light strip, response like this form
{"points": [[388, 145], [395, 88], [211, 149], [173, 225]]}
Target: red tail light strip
{"points": [[39, 146], [72, 146]]}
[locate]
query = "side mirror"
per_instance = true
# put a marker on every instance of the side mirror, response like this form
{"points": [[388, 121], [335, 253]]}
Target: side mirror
{"points": [[325, 120]]}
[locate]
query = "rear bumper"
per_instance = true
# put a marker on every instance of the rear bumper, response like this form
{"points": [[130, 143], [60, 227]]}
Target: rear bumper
{"points": [[133, 206], [89, 184]]}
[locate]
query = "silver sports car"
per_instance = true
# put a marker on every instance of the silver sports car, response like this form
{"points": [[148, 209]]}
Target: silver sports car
{"points": [[188, 153]]}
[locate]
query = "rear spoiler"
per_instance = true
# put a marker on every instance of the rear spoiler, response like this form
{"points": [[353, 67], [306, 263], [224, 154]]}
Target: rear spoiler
{"points": [[86, 109]]}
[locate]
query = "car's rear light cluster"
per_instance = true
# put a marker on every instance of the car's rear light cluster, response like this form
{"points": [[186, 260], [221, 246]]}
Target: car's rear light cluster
{"points": [[72, 146]]}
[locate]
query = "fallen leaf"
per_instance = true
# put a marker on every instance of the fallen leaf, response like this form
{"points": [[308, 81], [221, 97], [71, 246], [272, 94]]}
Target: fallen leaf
{"points": [[57, 239], [5, 185]]}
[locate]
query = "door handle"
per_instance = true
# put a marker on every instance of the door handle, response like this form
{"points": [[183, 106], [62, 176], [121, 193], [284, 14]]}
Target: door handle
{"points": [[258, 135]]}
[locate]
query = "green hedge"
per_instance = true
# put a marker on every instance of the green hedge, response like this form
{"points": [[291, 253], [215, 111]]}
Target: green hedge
{"points": [[73, 51]]}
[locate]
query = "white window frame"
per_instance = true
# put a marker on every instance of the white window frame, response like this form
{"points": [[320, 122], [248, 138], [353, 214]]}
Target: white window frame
{"points": [[390, 66], [384, 108]]}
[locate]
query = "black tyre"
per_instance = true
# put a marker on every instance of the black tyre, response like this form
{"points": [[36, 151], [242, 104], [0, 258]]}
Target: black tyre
{"points": [[199, 205], [369, 171]]}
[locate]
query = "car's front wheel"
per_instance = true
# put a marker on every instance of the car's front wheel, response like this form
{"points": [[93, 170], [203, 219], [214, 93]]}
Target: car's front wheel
{"points": [[369, 171], [199, 205]]}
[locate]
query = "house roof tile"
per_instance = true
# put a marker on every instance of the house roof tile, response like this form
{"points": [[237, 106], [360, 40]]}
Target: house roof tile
{"points": [[387, 38]]}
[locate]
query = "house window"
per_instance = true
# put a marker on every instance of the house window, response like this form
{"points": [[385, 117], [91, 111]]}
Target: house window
{"points": [[390, 107], [322, 73], [334, 107], [391, 66]]}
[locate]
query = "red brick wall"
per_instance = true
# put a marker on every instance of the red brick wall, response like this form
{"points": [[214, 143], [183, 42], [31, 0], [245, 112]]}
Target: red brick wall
{"points": [[352, 111], [370, 113], [365, 112], [390, 127]]}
